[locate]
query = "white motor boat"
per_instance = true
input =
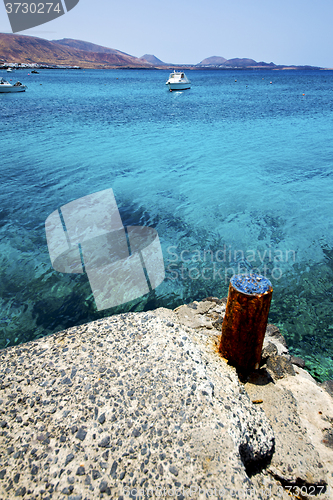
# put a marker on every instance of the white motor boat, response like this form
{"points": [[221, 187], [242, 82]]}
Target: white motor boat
{"points": [[6, 87], [9, 70], [178, 81]]}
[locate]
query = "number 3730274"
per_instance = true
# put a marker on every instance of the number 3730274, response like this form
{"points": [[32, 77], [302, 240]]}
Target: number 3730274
{"points": [[33, 8]]}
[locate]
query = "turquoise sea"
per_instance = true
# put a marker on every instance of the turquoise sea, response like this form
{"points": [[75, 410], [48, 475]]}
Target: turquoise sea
{"points": [[234, 174]]}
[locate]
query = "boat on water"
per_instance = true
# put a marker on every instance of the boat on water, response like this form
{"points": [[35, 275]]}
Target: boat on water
{"points": [[9, 70], [6, 87], [178, 81]]}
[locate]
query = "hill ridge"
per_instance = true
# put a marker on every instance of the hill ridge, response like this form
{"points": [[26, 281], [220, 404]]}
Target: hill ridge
{"points": [[150, 58], [26, 49], [31, 49]]}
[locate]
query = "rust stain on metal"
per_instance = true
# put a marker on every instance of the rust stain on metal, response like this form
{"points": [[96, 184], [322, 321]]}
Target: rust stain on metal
{"points": [[244, 327]]}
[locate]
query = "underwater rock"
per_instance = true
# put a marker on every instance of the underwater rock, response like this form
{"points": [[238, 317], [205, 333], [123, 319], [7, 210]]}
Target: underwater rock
{"points": [[295, 360]]}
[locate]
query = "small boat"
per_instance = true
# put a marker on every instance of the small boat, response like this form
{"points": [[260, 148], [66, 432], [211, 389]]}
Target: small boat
{"points": [[9, 70], [35, 72], [178, 81], [6, 87]]}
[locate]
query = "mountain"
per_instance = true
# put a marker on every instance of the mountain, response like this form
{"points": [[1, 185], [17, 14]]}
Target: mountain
{"points": [[69, 52], [221, 62], [245, 63], [87, 46], [153, 60], [240, 63], [30, 49], [212, 61]]}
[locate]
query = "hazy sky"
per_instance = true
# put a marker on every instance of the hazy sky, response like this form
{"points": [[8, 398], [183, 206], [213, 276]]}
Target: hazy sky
{"points": [[187, 31]]}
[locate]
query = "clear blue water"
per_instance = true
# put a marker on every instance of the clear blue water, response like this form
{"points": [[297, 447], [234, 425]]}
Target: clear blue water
{"points": [[230, 173]]}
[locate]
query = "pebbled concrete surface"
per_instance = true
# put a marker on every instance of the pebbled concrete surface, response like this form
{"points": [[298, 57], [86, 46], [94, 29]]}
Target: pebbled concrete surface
{"points": [[143, 401]]}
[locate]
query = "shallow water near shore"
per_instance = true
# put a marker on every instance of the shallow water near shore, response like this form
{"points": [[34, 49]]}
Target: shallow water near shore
{"points": [[234, 176]]}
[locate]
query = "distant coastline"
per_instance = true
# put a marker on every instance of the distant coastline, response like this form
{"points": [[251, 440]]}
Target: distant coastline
{"points": [[36, 66], [22, 51]]}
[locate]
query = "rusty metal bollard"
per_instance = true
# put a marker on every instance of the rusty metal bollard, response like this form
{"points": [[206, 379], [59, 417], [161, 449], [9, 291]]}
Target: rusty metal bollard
{"points": [[245, 321]]}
